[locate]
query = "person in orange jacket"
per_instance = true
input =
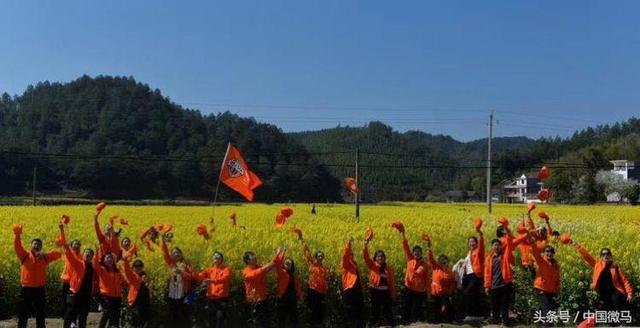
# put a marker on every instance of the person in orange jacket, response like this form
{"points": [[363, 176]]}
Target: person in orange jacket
{"points": [[547, 280], [110, 281], [108, 241], [33, 276], [64, 277], [255, 287], [381, 286], [353, 299], [416, 281], [139, 293], [608, 280], [473, 278], [498, 276], [218, 280], [82, 281], [443, 284], [289, 292], [179, 284], [317, 290]]}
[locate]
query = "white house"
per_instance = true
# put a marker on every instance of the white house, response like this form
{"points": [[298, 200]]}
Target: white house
{"points": [[522, 190], [628, 171]]}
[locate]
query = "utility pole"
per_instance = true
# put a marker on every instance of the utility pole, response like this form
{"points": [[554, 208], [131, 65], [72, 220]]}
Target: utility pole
{"points": [[489, 162], [33, 194], [357, 194]]}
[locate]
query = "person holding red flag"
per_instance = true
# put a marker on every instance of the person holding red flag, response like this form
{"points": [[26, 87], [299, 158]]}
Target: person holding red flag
{"points": [[236, 174], [352, 295]]}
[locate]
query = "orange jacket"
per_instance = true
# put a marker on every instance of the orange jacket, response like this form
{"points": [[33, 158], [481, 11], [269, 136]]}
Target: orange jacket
{"points": [[77, 268], [417, 274], [110, 281], [443, 281], [374, 273], [318, 274], [33, 269], [255, 283], [220, 278], [187, 273], [283, 281], [65, 276], [506, 262], [134, 282], [547, 274], [108, 244], [348, 268], [477, 258], [620, 281]]}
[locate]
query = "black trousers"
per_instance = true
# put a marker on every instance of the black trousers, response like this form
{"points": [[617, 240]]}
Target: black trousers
{"points": [[615, 301], [217, 311], [139, 315], [381, 307], [180, 312], [110, 311], [288, 312], [77, 308], [259, 314], [354, 306], [65, 292], [442, 309], [33, 300], [412, 304], [500, 302], [547, 303], [474, 298], [315, 303]]}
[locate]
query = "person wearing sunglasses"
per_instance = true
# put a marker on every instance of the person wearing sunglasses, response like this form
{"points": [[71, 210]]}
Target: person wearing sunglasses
{"points": [[608, 280], [547, 280]]}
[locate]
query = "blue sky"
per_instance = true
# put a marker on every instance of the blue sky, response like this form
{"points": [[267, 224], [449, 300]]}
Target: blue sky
{"points": [[545, 67]]}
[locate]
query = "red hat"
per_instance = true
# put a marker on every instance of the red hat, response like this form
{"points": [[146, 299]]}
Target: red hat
{"points": [[543, 215], [544, 194], [368, 234], [565, 239], [477, 223], [286, 212], [398, 226], [65, 219], [543, 174]]}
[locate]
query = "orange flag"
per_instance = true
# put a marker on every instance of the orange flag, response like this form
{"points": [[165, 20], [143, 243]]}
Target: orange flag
{"points": [[236, 174]]}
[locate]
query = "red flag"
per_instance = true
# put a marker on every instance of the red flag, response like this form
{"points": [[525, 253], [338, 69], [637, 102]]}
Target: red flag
{"points": [[350, 183], [236, 174]]}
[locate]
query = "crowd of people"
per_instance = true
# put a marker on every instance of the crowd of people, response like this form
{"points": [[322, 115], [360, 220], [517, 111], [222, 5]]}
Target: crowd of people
{"points": [[115, 267]]}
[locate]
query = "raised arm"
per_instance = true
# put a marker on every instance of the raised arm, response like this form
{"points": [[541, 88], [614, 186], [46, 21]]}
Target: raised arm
{"points": [[346, 254], [405, 248], [21, 253], [532, 226], [549, 229], [432, 261], [367, 257], [165, 254], [129, 276], [307, 254], [96, 225], [585, 254]]}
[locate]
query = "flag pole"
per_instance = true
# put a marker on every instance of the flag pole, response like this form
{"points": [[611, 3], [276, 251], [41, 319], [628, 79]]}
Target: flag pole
{"points": [[215, 197]]}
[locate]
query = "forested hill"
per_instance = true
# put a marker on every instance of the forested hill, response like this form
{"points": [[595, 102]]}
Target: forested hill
{"points": [[410, 165], [113, 137]]}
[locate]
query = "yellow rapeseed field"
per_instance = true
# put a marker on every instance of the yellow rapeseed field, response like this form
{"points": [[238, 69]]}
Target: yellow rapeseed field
{"points": [[449, 225]]}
